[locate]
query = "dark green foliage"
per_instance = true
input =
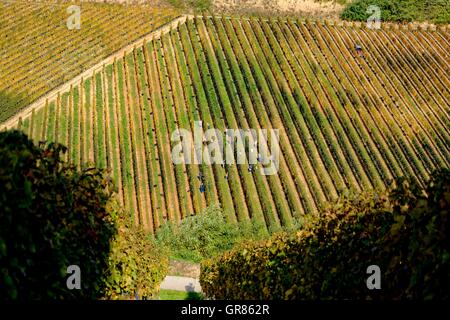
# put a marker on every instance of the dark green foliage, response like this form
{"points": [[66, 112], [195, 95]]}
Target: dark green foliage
{"points": [[194, 5], [136, 265], [436, 11], [51, 217], [405, 232]]}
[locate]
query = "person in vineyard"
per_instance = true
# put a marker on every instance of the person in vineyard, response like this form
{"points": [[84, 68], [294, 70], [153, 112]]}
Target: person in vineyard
{"points": [[359, 50]]}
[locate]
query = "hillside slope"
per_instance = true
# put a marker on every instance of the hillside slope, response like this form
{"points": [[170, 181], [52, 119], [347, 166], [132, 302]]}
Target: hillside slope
{"points": [[345, 120], [39, 52]]}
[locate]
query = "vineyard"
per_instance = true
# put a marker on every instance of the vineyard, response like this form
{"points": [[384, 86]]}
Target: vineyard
{"points": [[345, 121], [39, 52]]}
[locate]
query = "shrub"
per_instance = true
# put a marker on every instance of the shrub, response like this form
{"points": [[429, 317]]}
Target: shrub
{"points": [[51, 216], [136, 265], [436, 11], [405, 232], [205, 235]]}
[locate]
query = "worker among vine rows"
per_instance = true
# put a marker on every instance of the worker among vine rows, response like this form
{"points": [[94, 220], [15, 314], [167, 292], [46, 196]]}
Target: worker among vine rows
{"points": [[359, 50]]}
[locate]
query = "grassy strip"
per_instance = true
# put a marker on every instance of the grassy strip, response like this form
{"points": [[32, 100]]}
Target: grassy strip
{"points": [[69, 125], [172, 124], [178, 295], [125, 141], [75, 128], [157, 185], [25, 127], [113, 132], [51, 121], [208, 234], [167, 172], [185, 114], [87, 128], [64, 119], [44, 125], [100, 123], [135, 128]]}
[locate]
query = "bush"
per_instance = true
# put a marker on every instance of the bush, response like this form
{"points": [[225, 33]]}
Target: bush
{"points": [[405, 232], [136, 265], [194, 5], [205, 235], [435, 11], [53, 216]]}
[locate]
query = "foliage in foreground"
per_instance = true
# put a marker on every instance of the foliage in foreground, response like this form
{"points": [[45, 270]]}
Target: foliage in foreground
{"points": [[404, 231], [136, 265], [435, 11], [53, 216]]}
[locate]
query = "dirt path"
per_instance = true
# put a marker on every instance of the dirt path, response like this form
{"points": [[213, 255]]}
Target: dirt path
{"points": [[183, 276], [86, 74], [183, 268]]}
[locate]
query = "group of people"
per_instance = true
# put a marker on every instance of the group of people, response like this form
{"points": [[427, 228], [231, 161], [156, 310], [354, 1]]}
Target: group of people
{"points": [[251, 168], [202, 185]]}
